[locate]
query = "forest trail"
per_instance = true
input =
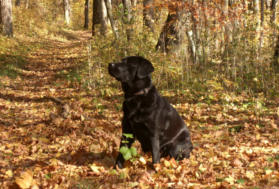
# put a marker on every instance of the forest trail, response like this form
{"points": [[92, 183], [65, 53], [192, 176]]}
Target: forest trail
{"points": [[43, 124], [37, 78]]}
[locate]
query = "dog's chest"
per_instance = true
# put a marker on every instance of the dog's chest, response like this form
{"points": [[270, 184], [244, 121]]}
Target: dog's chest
{"points": [[138, 111]]}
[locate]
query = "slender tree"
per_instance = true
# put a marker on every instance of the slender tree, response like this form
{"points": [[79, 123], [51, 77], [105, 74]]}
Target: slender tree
{"points": [[262, 23], [1, 27], [134, 2], [27, 4], [276, 56], [169, 35], [127, 19], [273, 10], [86, 14], [17, 3], [148, 14], [67, 11], [109, 12], [6, 17], [95, 15], [100, 16]]}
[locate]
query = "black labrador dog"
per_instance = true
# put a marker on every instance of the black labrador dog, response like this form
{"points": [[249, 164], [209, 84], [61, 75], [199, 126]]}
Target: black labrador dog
{"points": [[147, 115]]}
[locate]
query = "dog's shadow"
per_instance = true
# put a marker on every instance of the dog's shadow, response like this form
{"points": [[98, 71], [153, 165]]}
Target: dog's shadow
{"points": [[84, 158]]}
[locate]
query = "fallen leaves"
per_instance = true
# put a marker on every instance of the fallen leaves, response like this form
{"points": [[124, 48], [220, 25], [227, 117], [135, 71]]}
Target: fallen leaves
{"points": [[26, 181]]}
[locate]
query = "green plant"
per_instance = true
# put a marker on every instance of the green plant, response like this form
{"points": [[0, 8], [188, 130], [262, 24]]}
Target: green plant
{"points": [[128, 153]]}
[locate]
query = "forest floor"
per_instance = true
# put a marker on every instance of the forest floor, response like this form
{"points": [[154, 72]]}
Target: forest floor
{"points": [[57, 134]]}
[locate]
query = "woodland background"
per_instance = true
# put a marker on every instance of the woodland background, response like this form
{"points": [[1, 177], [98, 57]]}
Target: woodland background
{"points": [[216, 61]]}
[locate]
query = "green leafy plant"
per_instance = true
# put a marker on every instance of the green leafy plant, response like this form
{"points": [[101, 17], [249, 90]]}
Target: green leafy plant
{"points": [[128, 153]]}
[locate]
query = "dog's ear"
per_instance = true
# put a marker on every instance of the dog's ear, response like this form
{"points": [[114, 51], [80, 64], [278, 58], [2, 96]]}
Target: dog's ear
{"points": [[144, 68]]}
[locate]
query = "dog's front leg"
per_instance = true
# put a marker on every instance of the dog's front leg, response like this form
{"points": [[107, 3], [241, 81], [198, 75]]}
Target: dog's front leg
{"points": [[125, 141], [155, 149]]}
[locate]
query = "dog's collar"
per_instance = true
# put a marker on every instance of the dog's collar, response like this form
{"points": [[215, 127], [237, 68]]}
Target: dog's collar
{"points": [[143, 91]]}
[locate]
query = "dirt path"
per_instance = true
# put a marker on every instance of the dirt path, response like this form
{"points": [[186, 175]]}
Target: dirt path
{"points": [[43, 125], [38, 78]]}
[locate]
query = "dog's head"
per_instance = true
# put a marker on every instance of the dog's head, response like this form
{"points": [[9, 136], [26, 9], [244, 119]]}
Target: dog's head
{"points": [[130, 69]]}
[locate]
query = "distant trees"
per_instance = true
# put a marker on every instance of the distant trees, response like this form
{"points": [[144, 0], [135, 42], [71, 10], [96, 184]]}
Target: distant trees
{"points": [[6, 20]]}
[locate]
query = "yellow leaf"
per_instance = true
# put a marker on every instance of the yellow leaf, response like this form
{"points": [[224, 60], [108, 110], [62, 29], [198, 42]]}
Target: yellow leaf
{"points": [[43, 140], [142, 160], [268, 171], [25, 180], [35, 187], [258, 136], [95, 168], [250, 175], [230, 180], [82, 118], [9, 173], [167, 163], [201, 168]]}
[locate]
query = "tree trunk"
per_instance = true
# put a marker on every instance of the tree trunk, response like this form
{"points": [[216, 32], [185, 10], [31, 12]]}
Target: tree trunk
{"points": [[99, 16], [227, 34], [95, 15], [109, 12], [262, 24], [7, 20], [169, 35], [148, 14], [127, 18], [1, 27], [273, 9], [17, 3], [276, 56], [86, 14], [104, 17], [67, 11], [258, 25], [26, 4], [134, 2]]}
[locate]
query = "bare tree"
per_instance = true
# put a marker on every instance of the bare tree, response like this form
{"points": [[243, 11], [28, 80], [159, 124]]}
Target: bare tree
{"points": [[17, 3], [95, 15], [86, 14], [100, 16], [109, 11], [276, 56], [148, 14], [127, 19], [67, 11], [262, 24], [1, 17], [169, 35], [273, 9], [134, 2], [6, 17], [26, 4]]}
